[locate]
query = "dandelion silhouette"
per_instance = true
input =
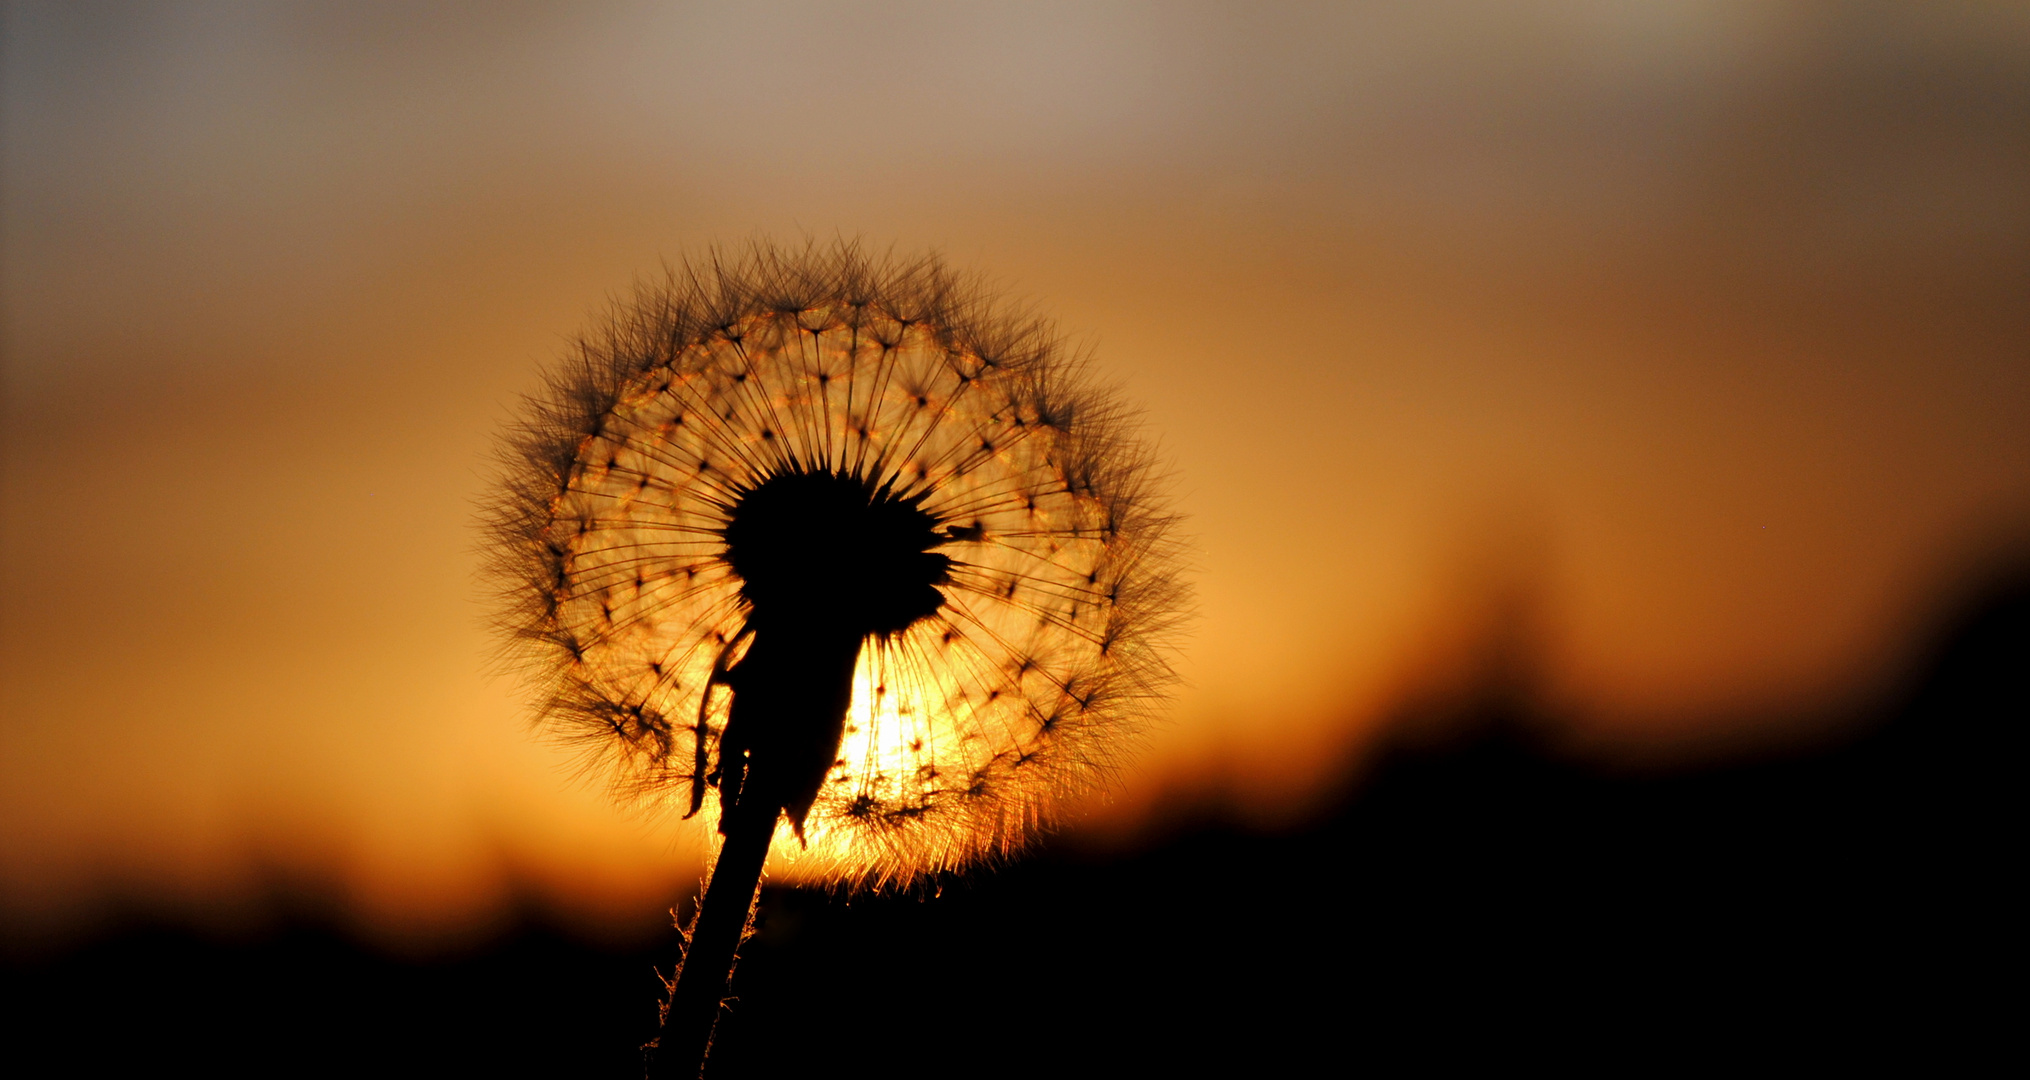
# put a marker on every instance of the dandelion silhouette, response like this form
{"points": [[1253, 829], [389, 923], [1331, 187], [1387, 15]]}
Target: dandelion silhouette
{"points": [[837, 551]]}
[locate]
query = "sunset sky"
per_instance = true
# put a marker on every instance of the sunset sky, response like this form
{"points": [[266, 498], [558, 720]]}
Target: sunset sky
{"points": [[1678, 354]]}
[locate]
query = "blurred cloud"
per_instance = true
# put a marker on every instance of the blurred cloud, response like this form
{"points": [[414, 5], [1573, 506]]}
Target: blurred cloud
{"points": [[1699, 325]]}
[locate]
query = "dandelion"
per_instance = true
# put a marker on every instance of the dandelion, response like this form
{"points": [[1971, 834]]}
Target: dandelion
{"points": [[841, 556]]}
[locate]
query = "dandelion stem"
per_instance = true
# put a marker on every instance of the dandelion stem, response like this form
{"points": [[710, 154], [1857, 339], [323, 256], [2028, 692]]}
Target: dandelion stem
{"points": [[693, 1007]]}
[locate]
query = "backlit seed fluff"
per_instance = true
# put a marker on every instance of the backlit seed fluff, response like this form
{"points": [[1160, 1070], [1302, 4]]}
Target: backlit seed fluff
{"points": [[1047, 645]]}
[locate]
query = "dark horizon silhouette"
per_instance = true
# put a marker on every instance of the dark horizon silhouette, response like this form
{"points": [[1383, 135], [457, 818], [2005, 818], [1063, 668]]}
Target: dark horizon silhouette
{"points": [[1480, 898]]}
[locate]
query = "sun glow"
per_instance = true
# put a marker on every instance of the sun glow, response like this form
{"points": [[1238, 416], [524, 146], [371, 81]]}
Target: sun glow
{"points": [[896, 750]]}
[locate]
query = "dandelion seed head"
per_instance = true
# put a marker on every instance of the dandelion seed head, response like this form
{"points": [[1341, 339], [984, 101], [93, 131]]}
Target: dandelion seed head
{"points": [[814, 436]]}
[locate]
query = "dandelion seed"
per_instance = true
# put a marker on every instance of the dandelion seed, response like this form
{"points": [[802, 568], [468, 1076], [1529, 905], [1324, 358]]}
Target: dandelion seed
{"points": [[859, 495]]}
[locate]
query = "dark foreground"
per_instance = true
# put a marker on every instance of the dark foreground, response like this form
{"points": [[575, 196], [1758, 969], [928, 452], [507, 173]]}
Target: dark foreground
{"points": [[1478, 902]]}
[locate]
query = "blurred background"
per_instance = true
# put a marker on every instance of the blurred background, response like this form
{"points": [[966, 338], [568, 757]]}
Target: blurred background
{"points": [[1642, 385]]}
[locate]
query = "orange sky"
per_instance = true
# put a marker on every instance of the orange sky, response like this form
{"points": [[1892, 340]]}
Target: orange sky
{"points": [[1695, 333]]}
